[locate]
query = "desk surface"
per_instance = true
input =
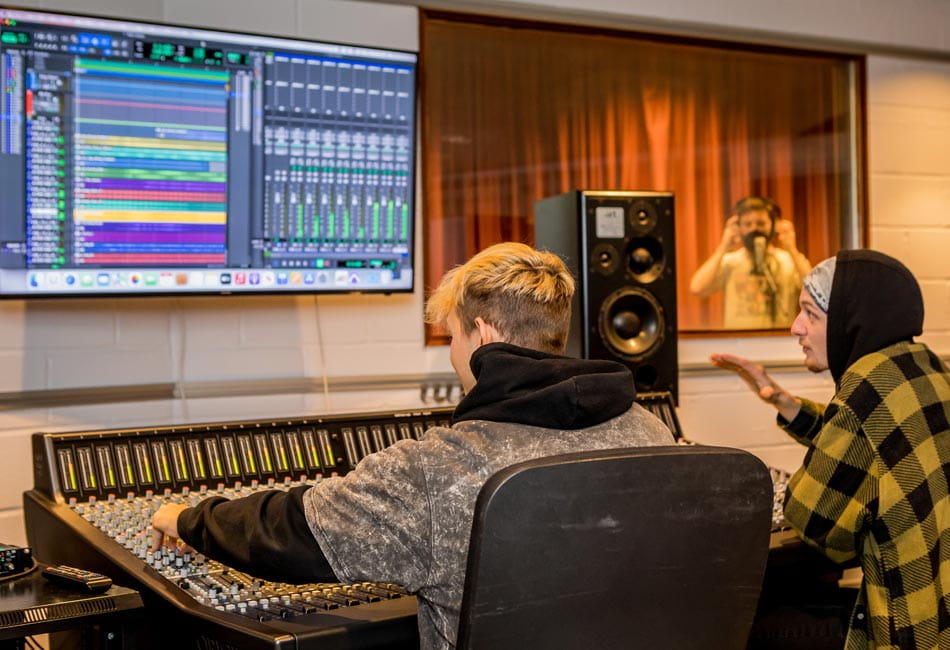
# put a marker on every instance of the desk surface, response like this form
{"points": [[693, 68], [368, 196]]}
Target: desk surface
{"points": [[31, 605]]}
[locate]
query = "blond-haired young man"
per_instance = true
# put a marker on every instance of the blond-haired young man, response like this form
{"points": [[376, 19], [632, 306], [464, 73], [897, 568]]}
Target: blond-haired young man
{"points": [[404, 515]]}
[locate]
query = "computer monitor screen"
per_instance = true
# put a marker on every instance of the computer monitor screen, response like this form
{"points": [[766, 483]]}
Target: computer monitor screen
{"points": [[141, 159]]}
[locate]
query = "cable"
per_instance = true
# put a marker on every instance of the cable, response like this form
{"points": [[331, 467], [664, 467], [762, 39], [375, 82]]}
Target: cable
{"points": [[771, 292], [22, 573], [323, 357], [180, 365]]}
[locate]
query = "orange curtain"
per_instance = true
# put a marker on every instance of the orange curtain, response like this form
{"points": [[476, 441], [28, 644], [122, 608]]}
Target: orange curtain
{"points": [[514, 113]]}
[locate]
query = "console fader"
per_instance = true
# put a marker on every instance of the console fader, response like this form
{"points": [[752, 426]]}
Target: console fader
{"points": [[95, 492]]}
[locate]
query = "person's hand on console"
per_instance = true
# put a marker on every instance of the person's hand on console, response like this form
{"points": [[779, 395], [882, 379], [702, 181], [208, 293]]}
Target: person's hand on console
{"points": [[165, 525], [760, 383]]}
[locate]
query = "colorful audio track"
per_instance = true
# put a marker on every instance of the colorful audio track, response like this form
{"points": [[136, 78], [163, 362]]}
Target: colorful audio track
{"points": [[150, 173]]}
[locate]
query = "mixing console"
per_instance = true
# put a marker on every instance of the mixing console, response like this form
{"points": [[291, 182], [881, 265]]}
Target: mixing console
{"points": [[95, 493], [210, 583]]}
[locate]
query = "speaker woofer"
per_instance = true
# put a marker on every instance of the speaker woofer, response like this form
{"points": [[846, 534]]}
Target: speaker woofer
{"points": [[631, 323]]}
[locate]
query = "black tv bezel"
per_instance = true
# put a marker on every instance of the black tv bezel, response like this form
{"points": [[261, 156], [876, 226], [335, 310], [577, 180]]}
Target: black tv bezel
{"points": [[305, 290]]}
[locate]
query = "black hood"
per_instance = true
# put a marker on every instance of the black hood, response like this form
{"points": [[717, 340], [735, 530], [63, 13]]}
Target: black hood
{"points": [[875, 302], [515, 384]]}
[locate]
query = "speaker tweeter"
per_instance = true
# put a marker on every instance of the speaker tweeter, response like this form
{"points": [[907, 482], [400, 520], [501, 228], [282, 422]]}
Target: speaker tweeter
{"points": [[642, 216]]}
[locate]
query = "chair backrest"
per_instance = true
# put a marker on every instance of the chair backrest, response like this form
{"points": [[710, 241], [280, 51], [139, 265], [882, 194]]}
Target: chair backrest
{"points": [[650, 547]]}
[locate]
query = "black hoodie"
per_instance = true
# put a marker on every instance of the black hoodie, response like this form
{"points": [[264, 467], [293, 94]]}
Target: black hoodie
{"points": [[875, 302], [525, 386]]}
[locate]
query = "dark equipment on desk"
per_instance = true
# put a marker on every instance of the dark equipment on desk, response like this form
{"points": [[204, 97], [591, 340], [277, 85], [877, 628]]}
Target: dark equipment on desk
{"points": [[32, 605], [15, 559], [69, 577]]}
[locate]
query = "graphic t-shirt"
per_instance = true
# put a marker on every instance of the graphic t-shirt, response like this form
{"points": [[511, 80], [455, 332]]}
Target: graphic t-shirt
{"points": [[759, 300]]}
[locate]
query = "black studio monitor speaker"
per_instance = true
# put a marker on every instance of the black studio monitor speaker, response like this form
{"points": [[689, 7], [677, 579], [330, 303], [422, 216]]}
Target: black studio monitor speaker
{"points": [[620, 248]]}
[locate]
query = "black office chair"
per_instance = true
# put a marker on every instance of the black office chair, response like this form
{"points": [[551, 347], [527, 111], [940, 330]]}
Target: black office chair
{"points": [[652, 547]]}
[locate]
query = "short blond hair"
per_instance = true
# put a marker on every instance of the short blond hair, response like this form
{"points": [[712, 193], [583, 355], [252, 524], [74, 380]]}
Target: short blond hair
{"points": [[525, 294]]}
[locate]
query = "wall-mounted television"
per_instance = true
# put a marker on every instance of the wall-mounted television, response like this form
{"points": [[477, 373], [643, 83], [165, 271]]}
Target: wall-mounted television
{"points": [[141, 158]]}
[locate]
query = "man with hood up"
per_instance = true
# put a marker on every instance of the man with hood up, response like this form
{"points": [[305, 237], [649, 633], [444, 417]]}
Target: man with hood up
{"points": [[404, 515], [757, 266], [874, 482]]}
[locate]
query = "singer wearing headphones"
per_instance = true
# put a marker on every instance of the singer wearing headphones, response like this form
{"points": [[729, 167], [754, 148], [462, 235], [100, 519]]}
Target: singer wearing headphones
{"points": [[758, 267]]}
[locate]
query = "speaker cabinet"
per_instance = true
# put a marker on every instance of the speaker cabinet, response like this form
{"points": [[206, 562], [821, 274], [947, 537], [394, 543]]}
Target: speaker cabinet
{"points": [[620, 248]]}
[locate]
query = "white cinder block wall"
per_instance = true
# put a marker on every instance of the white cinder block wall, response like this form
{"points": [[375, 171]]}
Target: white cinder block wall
{"points": [[73, 344]]}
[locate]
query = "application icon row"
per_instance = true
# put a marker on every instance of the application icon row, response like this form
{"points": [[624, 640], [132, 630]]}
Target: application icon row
{"points": [[65, 280]]}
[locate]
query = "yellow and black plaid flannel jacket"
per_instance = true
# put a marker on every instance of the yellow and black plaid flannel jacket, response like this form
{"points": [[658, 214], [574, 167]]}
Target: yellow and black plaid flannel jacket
{"points": [[874, 484]]}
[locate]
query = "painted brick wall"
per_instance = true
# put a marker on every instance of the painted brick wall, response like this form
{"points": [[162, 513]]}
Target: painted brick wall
{"points": [[62, 344]]}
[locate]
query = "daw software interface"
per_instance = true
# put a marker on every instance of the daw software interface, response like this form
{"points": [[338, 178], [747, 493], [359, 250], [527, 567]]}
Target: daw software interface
{"points": [[144, 158]]}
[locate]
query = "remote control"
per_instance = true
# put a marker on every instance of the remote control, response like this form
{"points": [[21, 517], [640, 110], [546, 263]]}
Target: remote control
{"points": [[92, 583]]}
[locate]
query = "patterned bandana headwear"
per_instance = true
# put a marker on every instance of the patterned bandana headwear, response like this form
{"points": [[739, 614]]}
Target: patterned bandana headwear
{"points": [[818, 283]]}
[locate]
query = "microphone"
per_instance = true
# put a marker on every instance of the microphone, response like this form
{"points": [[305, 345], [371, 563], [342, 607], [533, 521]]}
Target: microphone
{"points": [[758, 255], [761, 268]]}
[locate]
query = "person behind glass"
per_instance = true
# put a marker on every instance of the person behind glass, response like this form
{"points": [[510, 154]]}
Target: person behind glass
{"points": [[874, 481], [404, 514], [757, 266]]}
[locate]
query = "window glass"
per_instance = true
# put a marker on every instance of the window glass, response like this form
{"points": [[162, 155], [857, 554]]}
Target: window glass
{"points": [[515, 112]]}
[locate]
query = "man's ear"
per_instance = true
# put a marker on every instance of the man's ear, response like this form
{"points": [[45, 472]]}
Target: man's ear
{"points": [[487, 332]]}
